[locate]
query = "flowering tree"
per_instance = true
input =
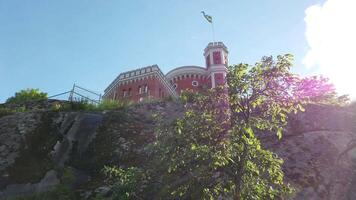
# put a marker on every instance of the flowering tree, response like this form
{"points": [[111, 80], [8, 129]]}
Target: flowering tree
{"points": [[212, 152], [317, 89]]}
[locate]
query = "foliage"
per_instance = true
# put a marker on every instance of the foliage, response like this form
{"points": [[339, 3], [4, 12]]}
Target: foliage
{"points": [[27, 95], [85, 105], [318, 89], [205, 157], [8, 111], [125, 182], [212, 151], [110, 105]]}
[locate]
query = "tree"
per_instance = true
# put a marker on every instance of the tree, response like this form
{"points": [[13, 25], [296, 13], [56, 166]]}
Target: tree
{"points": [[318, 89], [260, 99], [27, 95], [212, 151]]}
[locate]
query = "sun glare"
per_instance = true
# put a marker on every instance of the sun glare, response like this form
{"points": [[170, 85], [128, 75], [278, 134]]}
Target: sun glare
{"points": [[331, 35]]}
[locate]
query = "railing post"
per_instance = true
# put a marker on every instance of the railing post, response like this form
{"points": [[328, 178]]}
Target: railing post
{"points": [[71, 93]]}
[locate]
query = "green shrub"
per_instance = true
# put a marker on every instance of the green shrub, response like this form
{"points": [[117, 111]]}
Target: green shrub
{"points": [[8, 111], [82, 105], [125, 182], [5, 111], [87, 106], [27, 95], [110, 105]]}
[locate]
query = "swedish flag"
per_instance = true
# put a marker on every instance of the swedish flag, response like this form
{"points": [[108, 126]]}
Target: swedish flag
{"points": [[207, 17]]}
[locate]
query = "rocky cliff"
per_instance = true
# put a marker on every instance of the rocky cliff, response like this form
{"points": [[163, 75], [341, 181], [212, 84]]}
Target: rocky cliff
{"points": [[38, 148]]}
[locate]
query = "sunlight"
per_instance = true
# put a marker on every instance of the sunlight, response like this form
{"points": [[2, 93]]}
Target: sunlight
{"points": [[331, 35]]}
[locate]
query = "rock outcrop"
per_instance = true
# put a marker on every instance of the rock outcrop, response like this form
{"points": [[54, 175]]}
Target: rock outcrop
{"points": [[36, 148], [317, 149]]}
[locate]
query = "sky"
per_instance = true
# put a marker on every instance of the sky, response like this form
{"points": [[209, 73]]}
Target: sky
{"points": [[51, 45]]}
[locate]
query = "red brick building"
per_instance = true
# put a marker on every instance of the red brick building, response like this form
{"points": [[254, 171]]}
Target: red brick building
{"points": [[150, 82]]}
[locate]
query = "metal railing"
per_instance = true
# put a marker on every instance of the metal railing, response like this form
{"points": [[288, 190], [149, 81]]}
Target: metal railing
{"points": [[76, 94]]}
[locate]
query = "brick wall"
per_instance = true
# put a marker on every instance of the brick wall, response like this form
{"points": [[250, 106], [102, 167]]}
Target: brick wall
{"points": [[155, 90], [187, 83]]}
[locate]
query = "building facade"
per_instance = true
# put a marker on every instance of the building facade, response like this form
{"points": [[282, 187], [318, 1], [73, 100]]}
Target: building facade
{"points": [[149, 82]]}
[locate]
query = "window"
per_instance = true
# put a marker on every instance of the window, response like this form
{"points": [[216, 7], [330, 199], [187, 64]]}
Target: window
{"points": [[139, 90], [124, 93], [129, 92], [146, 89], [216, 57], [195, 83], [175, 85], [208, 61]]}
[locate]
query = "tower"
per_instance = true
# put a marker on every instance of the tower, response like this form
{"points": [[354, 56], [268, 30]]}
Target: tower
{"points": [[216, 58]]}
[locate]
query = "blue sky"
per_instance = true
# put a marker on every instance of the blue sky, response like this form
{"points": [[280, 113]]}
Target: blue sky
{"points": [[52, 44]]}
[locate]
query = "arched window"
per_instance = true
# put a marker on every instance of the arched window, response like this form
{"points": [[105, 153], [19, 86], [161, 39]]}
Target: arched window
{"points": [[124, 93], [146, 88], [139, 89]]}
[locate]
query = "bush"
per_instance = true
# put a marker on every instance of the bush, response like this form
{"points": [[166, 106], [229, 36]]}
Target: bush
{"points": [[125, 182], [110, 105], [27, 95], [5, 111], [8, 111]]}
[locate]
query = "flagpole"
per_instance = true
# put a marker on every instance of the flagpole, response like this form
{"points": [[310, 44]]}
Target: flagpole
{"points": [[210, 20], [212, 28]]}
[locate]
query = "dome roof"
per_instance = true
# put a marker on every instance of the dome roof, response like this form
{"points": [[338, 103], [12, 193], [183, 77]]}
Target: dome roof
{"points": [[185, 70]]}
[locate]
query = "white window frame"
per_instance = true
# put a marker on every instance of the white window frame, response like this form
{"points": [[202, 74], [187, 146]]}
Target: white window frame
{"points": [[195, 83]]}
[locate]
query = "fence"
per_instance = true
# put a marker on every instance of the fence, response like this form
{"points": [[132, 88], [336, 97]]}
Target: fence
{"points": [[80, 94]]}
